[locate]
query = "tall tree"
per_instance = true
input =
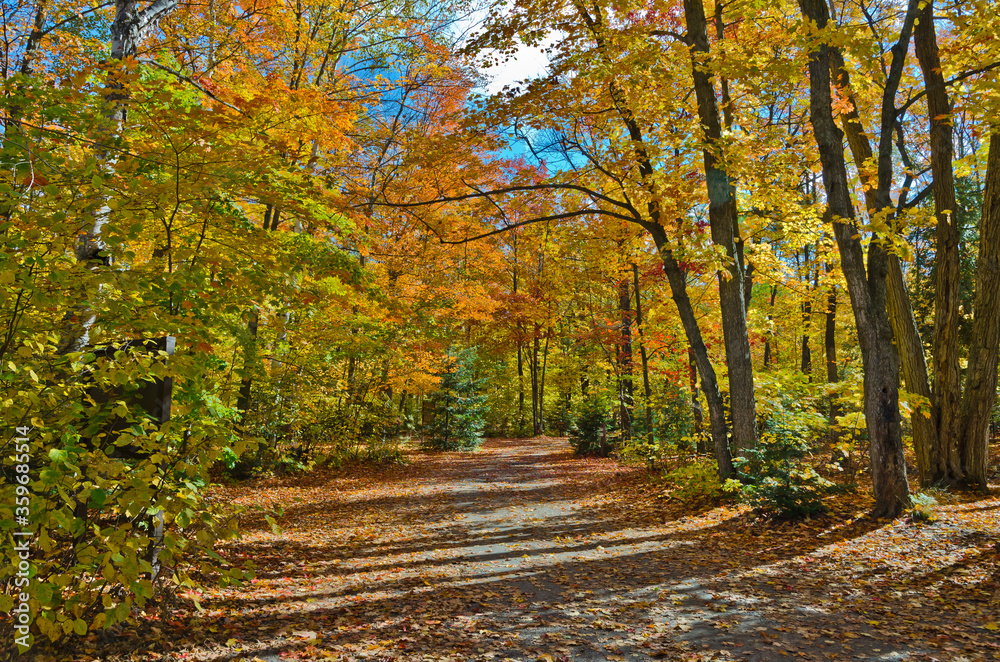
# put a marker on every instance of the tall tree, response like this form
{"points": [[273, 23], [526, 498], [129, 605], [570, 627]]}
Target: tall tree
{"points": [[981, 377], [643, 356], [724, 221], [866, 286]]}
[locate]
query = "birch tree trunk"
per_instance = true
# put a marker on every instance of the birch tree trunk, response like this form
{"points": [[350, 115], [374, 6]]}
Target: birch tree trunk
{"points": [[129, 28]]}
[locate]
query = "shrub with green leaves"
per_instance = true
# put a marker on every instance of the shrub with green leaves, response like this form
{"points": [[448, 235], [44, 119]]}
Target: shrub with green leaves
{"points": [[672, 427], [594, 431], [776, 479], [112, 518]]}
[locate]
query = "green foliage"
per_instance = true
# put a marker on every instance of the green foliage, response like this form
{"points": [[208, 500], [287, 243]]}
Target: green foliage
{"points": [[775, 479], [696, 481], [94, 502], [559, 414], [459, 406], [367, 432], [789, 405], [672, 429], [501, 418], [332, 431], [593, 431]]}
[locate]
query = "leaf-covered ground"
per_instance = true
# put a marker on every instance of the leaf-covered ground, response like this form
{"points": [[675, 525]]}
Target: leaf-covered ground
{"points": [[523, 552]]}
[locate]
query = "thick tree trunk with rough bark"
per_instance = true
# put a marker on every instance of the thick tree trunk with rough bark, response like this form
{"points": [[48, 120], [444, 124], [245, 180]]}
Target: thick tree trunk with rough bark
{"points": [[866, 289], [723, 219], [913, 366], [904, 326], [945, 462], [981, 376]]}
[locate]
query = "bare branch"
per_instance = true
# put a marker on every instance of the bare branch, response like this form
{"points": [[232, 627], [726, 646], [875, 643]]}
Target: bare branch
{"points": [[948, 83], [532, 221], [516, 189]]}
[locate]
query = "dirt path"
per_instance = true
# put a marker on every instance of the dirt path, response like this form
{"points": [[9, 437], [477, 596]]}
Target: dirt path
{"points": [[524, 552]]}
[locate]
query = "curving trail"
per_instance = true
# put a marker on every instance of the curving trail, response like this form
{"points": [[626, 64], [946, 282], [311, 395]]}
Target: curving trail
{"points": [[523, 552]]}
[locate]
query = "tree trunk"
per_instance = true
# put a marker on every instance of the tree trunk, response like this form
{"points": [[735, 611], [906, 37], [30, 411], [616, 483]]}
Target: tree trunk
{"points": [[981, 375], [128, 28], [626, 399], [723, 219], [904, 325], [945, 467], [249, 358], [536, 421], [709, 384], [830, 345], [520, 351], [806, 363], [695, 402], [678, 285], [646, 389], [767, 336], [520, 384], [541, 384], [866, 289]]}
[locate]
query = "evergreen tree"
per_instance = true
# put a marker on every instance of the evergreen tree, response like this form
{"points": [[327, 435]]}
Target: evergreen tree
{"points": [[459, 407]]}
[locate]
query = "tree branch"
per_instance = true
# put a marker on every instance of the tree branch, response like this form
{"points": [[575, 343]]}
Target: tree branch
{"points": [[155, 11], [948, 83], [532, 221], [516, 189], [889, 111], [75, 16], [190, 81]]}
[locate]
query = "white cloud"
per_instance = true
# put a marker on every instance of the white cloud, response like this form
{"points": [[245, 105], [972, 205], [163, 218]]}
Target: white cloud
{"points": [[528, 62]]}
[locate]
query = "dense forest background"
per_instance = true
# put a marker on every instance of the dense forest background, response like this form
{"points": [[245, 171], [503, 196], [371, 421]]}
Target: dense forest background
{"points": [[759, 241]]}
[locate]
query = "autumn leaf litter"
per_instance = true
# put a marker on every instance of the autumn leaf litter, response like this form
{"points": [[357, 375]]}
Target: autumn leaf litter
{"points": [[522, 551]]}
